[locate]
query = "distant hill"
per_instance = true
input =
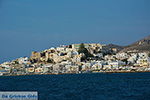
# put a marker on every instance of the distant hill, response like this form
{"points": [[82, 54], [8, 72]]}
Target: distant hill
{"points": [[140, 46], [111, 46]]}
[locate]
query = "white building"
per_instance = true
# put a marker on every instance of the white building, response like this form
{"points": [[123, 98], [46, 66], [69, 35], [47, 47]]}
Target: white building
{"points": [[116, 64], [72, 68], [122, 55], [132, 59], [23, 60], [143, 60]]}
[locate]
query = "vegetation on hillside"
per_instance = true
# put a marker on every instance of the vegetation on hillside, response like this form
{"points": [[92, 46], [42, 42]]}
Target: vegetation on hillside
{"points": [[82, 49]]}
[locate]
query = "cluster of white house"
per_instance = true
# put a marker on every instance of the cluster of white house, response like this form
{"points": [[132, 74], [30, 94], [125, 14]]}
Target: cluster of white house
{"points": [[67, 60]]}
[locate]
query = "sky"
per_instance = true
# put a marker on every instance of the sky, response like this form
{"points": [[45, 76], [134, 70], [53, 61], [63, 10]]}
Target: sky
{"points": [[35, 25]]}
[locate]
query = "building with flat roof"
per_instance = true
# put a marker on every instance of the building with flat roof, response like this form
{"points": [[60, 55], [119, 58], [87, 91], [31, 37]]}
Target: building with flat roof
{"points": [[92, 45]]}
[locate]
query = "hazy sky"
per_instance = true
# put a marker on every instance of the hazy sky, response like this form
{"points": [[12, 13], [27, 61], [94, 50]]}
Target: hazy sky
{"points": [[34, 25]]}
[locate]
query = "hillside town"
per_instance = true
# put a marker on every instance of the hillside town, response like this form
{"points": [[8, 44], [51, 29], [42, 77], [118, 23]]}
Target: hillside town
{"points": [[78, 58]]}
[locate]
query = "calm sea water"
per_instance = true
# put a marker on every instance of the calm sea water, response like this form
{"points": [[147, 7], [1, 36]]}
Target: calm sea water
{"points": [[116, 86]]}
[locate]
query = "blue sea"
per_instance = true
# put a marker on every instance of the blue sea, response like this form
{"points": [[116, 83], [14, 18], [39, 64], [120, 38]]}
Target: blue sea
{"points": [[98, 86]]}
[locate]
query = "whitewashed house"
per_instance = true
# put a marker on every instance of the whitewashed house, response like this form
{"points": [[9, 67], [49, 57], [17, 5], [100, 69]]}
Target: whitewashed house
{"points": [[116, 64], [143, 60], [132, 59], [23, 60]]}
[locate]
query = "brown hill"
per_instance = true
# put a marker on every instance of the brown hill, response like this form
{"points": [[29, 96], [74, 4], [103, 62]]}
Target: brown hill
{"points": [[111, 46], [140, 46]]}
